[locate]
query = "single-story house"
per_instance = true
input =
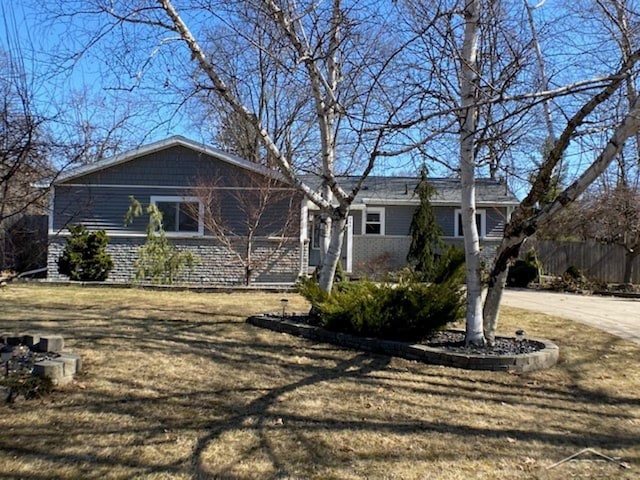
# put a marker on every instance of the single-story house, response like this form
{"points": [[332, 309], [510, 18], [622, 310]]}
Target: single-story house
{"points": [[211, 199]]}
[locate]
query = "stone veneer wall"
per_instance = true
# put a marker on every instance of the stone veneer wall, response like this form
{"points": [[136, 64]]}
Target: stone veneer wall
{"points": [[390, 252], [215, 266]]}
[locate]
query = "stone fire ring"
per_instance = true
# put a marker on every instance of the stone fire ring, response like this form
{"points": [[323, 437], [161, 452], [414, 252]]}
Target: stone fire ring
{"points": [[545, 357], [57, 365]]}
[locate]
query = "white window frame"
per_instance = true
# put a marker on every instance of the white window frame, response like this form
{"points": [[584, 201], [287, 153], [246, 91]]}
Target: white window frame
{"points": [[379, 210], [181, 199], [458, 218]]}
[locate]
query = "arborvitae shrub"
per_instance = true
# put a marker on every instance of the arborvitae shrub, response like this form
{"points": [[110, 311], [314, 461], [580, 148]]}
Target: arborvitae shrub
{"points": [[450, 267], [85, 256]]}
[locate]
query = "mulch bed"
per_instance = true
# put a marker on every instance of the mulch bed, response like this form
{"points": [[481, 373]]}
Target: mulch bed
{"points": [[454, 341]]}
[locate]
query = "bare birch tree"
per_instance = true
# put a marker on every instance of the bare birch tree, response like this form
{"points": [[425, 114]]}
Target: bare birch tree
{"points": [[582, 101], [527, 218], [341, 55], [484, 60], [469, 79]]}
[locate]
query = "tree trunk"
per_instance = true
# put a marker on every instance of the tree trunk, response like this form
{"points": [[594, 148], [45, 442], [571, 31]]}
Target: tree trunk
{"points": [[325, 225], [468, 127], [249, 262], [491, 308], [523, 225], [332, 256]]}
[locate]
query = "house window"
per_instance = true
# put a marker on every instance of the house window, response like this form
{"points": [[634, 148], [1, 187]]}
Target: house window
{"points": [[180, 215], [373, 220], [481, 223]]}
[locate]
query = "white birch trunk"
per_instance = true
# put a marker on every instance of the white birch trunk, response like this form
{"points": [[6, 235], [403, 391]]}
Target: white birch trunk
{"points": [[324, 76], [520, 228], [199, 56], [332, 256], [468, 126], [325, 226], [490, 312]]}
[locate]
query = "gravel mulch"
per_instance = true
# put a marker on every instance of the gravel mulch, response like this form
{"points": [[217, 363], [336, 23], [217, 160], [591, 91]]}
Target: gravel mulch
{"points": [[454, 341]]}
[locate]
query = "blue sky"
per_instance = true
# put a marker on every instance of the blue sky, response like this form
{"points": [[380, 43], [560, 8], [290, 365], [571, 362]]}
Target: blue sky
{"points": [[26, 32], [35, 39]]}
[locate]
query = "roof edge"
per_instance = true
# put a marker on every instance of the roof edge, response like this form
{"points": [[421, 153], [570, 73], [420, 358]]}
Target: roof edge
{"points": [[176, 140]]}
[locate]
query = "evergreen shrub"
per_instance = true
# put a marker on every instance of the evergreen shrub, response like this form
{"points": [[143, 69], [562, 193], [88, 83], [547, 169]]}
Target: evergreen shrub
{"points": [[408, 311], [523, 272], [85, 256]]}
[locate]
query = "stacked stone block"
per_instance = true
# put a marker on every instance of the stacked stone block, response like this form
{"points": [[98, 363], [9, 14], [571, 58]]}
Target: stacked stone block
{"points": [[58, 366]]}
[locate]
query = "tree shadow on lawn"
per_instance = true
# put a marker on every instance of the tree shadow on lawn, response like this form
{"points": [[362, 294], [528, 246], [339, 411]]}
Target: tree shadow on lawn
{"points": [[258, 404], [449, 385], [362, 368]]}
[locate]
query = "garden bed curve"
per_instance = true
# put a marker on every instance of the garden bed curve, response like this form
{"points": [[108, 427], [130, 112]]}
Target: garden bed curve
{"points": [[545, 355]]}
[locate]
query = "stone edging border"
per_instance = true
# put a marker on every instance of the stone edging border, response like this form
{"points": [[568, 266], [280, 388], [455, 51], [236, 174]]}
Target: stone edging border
{"points": [[539, 360], [60, 367]]}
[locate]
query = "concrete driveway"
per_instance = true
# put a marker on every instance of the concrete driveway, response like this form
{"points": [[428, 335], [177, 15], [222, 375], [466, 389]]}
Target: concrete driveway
{"points": [[618, 316]]}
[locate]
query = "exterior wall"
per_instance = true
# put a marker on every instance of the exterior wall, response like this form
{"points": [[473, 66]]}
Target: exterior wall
{"points": [[398, 219], [100, 200], [103, 208], [372, 252], [216, 265], [496, 221], [386, 254], [375, 254], [176, 165]]}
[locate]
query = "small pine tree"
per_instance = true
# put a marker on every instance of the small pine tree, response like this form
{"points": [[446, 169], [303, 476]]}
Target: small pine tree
{"points": [[426, 234], [85, 256], [158, 260]]}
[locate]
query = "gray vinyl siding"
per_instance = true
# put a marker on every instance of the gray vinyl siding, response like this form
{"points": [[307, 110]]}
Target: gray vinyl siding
{"points": [[98, 207], [375, 255], [445, 216], [398, 219], [495, 218], [104, 208], [100, 200], [173, 166]]}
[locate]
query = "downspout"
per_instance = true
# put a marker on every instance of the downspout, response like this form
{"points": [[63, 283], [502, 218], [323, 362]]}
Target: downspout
{"points": [[304, 240], [51, 208]]}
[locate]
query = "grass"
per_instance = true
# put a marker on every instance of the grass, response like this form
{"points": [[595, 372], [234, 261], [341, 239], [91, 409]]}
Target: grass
{"points": [[176, 385]]}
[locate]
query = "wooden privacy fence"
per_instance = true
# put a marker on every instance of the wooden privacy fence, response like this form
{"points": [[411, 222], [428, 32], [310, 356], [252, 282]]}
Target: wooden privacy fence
{"points": [[23, 242], [596, 260]]}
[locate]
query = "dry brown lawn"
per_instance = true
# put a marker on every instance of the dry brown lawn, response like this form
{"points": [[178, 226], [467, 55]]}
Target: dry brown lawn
{"points": [[177, 385]]}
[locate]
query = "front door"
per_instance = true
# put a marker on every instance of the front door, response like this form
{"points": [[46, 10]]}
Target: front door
{"points": [[314, 244]]}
